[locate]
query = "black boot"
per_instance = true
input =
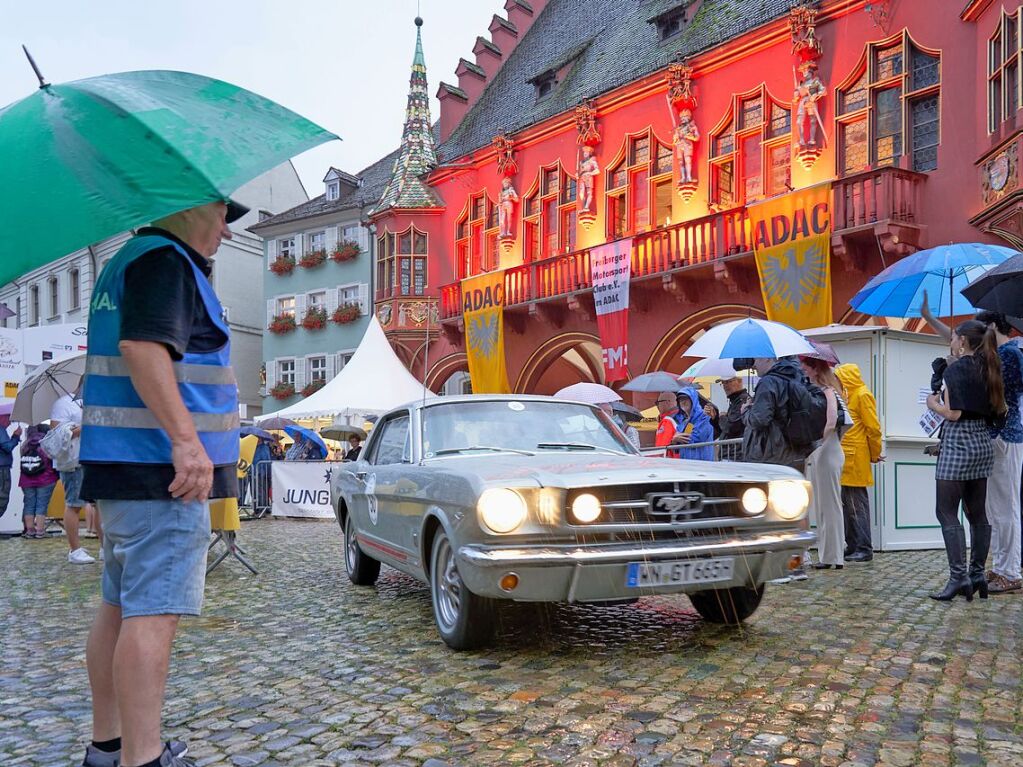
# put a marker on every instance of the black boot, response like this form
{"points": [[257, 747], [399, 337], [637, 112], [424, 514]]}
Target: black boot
{"points": [[958, 581], [980, 544]]}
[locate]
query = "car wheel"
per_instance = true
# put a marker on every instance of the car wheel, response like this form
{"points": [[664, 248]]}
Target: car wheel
{"points": [[730, 606], [362, 570], [464, 620]]}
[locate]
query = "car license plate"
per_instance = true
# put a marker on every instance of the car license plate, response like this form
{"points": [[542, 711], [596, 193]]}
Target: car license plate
{"points": [[648, 574]]}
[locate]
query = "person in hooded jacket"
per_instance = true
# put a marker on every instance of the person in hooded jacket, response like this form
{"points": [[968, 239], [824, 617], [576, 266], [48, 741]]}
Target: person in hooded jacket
{"points": [[862, 447], [37, 481], [692, 425], [764, 439]]}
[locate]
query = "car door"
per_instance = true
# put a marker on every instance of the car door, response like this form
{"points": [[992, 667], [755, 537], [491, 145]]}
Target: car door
{"points": [[390, 459]]}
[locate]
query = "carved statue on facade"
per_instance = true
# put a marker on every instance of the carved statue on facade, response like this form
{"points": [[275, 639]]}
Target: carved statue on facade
{"points": [[506, 209], [684, 139], [681, 103], [587, 167], [505, 150], [809, 91], [588, 172]]}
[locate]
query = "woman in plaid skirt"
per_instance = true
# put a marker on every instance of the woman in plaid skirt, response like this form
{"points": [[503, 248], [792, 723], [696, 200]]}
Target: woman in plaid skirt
{"points": [[973, 398]]}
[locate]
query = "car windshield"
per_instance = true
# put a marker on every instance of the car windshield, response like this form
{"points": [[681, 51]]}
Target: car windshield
{"points": [[518, 425]]}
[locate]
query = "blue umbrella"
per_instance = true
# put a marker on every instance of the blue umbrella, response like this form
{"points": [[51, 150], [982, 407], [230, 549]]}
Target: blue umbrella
{"points": [[749, 338], [300, 431], [940, 272]]}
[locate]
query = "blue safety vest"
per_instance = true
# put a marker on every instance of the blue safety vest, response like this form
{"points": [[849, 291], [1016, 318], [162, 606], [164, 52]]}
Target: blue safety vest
{"points": [[116, 425]]}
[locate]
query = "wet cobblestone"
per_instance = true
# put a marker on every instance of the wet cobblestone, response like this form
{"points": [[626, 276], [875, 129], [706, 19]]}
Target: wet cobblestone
{"points": [[296, 667]]}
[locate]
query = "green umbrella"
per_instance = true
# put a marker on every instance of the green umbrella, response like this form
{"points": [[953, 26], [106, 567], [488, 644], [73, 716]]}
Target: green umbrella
{"points": [[88, 159]]}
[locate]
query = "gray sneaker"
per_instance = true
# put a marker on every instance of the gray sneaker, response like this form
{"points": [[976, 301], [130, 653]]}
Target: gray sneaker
{"points": [[174, 749]]}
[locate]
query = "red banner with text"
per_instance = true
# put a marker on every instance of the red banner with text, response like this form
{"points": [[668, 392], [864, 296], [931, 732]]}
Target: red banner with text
{"points": [[611, 271]]}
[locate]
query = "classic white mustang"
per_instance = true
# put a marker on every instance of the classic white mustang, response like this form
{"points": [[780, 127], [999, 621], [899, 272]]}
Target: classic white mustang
{"points": [[536, 499]]}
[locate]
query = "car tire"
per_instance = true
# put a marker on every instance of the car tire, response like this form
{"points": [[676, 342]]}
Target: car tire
{"points": [[729, 606], [362, 570], [465, 621]]}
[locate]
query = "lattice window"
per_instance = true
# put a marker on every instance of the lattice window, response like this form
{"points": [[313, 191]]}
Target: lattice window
{"points": [[751, 154], [636, 199], [401, 263], [1004, 56], [548, 215], [473, 236], [890, 107]]}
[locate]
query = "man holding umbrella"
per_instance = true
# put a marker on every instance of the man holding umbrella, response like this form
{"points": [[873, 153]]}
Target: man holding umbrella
{"points": [[159, 438]]}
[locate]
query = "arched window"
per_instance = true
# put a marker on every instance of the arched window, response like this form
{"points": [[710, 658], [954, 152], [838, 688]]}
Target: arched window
{"points": [[476, 237], [401, 263], [1004, 55], [751, 150], [549, 215], [889, 106], [639, 186]]}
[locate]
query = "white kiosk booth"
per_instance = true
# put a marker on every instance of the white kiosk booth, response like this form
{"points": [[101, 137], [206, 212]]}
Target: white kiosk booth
{"points": [[896, 365]]}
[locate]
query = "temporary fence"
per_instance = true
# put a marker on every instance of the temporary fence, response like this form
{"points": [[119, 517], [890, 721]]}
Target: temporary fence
{"points": [[255, 491], [724, 450]]}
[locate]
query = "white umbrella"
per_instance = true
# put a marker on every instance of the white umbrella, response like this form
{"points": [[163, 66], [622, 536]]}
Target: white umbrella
{"points": [[340, 431], [594, 394], [709, 368], [749, 338], [46, 384]]}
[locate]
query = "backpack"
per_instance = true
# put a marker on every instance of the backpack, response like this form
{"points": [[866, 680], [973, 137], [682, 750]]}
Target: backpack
{"points": [[844, 420], [808, 413], [33, 460]]}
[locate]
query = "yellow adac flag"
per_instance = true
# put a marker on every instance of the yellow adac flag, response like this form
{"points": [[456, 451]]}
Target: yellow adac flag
{"points": [[483, 315], [246, 452], [792, 243]]}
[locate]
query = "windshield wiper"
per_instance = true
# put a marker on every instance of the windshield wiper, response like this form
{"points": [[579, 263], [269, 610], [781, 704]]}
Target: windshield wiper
{"points": [[488, 448], [577, 446]]}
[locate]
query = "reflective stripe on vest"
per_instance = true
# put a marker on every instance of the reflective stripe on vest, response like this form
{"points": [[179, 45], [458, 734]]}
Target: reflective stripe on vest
{"points": [[116, 427], [184, 373]]}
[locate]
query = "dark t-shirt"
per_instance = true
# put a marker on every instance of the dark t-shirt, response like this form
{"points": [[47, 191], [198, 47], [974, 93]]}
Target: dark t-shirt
{"points": [[966, 389], [161, 303]]}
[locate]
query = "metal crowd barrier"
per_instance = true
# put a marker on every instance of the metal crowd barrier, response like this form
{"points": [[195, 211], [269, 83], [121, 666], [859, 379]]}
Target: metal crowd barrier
{"points": [[724, 449], [255, 491]]}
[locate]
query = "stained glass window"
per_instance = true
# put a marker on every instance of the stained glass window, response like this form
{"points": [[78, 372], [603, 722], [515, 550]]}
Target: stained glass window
{"points": [[752, 112], [888, 125], [662, 164], [924, 125], [855, 97], [887, 62], [780, 160], [854, 147], [925, 69]]}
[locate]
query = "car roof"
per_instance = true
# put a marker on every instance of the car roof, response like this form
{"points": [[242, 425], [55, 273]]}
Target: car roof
{"points": [[466, 398]]}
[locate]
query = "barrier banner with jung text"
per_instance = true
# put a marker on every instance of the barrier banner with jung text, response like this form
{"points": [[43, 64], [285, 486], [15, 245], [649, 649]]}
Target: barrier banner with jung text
{"points": [[302, 489]]}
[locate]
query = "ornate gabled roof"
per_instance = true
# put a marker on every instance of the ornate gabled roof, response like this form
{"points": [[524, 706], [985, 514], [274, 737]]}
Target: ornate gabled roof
{"points": [[614, 44], [417, 155]]}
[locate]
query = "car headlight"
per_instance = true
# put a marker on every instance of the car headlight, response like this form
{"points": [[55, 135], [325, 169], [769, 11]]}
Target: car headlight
{"points": [[501, 510], [754, 501], [586, 508], [789, 498]]}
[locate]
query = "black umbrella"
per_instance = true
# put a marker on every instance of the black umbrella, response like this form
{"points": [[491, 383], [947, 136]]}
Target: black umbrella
{"points": [[1001, 289], [627, 412]]}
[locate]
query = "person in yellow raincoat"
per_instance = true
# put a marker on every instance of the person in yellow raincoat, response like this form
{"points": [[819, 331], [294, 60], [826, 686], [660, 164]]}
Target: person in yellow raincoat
{"points": [[862, 447]]}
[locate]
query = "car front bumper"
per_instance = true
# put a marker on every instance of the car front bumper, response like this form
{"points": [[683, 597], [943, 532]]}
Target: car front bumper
{"points": [[596, 572]]}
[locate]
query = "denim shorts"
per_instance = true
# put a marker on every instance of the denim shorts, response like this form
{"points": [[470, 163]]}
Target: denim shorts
{"points": [[154, 556], [72, 481], [37, 499]]}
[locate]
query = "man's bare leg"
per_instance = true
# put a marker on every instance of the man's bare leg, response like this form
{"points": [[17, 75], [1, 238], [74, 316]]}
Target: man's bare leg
{"points": [[99, 658], [140, 663], [71, 528]]}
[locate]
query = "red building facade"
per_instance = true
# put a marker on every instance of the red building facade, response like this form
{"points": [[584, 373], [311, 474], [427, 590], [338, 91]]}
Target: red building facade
{"points": [[692, 110]]}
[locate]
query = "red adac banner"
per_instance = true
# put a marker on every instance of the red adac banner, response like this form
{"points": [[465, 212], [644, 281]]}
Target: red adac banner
{"points": [[611, 271]]}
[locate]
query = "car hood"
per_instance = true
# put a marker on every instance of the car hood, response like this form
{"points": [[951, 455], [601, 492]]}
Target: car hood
{"points": [[574, 470]]}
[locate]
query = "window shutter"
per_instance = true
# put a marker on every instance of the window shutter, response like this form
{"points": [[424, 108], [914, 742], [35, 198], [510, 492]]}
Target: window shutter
{"points": [[271, 374], [271, 308], [331, 366], [339, 364], [330, 239], [300, 367], [364, 298], [300, 304], [299, 245], [271, 252], [332, 301]]}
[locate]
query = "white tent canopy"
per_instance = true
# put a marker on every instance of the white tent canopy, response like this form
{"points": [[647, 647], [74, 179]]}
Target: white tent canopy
{"points": [[373, 381]]}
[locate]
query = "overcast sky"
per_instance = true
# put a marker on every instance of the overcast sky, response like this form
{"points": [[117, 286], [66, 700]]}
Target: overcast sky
{"points": [[342, 63]]}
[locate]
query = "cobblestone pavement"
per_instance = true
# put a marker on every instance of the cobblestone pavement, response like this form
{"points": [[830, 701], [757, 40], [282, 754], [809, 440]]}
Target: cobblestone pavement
{"points": [[298, 667]]}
